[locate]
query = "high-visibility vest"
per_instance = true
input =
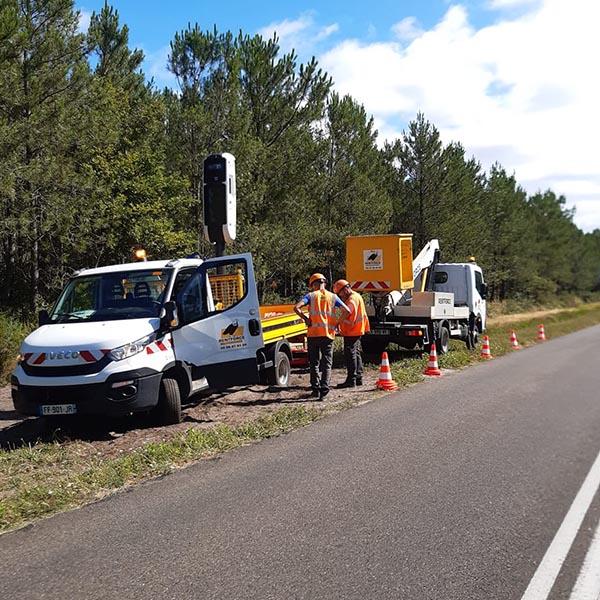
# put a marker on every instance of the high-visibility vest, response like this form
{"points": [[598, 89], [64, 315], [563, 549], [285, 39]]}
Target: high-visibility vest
{"points": [[320, 311], [357, 322]]}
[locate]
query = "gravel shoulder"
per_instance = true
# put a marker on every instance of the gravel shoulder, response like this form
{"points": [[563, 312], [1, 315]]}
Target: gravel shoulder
{"points": [[233, 407]]}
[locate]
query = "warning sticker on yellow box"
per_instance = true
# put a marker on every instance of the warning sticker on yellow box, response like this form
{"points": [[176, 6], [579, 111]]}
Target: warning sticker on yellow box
{"points": [[373, 259]]}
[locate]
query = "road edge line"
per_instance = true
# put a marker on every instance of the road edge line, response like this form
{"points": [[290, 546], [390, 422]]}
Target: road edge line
{"points": [[543, 579], [587, 586]]}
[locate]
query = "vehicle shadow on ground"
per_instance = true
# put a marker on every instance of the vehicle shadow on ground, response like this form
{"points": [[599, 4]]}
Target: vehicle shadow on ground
{"points": [[25, 433], [208, 397], [60, 430], [393, 355], [9, 415]]}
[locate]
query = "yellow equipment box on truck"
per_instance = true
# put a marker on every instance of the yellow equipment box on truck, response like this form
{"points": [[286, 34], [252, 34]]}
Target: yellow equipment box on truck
{"points": [[379, 263]]}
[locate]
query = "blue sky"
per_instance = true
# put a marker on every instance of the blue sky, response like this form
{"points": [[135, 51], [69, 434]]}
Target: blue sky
{"points": [[509, 79]]}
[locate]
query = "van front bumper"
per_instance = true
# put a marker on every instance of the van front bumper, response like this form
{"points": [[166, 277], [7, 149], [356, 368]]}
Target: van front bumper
{"points": [[121, 394]]}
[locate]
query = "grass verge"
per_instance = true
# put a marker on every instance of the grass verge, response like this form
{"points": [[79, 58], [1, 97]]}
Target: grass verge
{"points": [[45, 478], [38, 480]]}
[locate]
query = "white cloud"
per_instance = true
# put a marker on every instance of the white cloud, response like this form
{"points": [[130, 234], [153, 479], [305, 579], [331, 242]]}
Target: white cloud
{"points": [[84, 20], [155, 66], [500, 4], [287, 29], [301, 34], [521, 91], [325, 32], [408, 29]]}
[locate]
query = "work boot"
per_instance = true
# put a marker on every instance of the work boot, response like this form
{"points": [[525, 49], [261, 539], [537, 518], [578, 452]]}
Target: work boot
{"points": [[349, 383], [323, 394], [359, 381], [314, 393]]}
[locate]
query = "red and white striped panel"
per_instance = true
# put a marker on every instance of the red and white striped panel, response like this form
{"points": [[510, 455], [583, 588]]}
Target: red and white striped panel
{"points": [[160, 345], [371, 286]]}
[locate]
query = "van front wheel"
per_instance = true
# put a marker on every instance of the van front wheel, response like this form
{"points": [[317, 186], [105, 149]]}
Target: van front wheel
{"points": [[168, 409]]}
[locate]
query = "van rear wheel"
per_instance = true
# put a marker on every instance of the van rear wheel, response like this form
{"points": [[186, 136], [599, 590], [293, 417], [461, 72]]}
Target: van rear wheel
{"points": [[279, 373]]}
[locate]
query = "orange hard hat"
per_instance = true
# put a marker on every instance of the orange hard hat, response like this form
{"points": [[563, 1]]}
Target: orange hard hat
{"points": [[339, 285], [316, 277]]}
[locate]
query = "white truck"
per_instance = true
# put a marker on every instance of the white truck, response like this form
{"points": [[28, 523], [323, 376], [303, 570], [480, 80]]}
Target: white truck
{"points": [[145, 336], [438, 302]]}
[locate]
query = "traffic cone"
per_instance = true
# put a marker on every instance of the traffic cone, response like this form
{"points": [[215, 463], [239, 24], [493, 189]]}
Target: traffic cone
{"points": [[385, 381], [432, 365], [514, 343], [541, 333], [485, 348]]}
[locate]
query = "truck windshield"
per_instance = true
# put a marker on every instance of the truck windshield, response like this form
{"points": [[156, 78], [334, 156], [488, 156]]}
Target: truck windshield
{"points": [[110, 296]]}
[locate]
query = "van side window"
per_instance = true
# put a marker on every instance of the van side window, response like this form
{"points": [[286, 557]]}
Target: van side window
{"points": [[182, 278], [191, 300], [227, 284], [210, 289]]}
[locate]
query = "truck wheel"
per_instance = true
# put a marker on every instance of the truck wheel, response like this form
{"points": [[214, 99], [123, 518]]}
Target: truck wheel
{"points": [[279, 373], [168, 409], [442, 343]]}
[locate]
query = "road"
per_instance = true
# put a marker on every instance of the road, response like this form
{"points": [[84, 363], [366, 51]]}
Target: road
{"points": [[451, 489]]}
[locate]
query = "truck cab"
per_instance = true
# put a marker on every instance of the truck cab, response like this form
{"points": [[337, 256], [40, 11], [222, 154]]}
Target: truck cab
{"points": [[465, 281], [143, 337]]}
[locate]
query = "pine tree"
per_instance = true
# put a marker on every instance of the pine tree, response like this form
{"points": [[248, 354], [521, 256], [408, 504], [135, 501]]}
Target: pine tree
{"points": [[43, 69], [420, 154]]}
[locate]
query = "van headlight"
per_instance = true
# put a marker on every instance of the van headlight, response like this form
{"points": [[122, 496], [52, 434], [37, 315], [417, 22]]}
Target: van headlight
{"points": [[131, 349]]}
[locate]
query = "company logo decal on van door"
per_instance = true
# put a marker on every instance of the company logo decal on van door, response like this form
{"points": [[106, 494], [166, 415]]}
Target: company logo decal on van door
{"points": [[232, 337]]}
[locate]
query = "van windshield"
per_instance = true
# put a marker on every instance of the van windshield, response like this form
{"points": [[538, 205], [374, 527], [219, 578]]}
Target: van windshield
{"points": [[111, 296]]}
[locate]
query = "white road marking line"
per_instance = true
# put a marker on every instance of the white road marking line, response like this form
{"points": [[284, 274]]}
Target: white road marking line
{"points": [[543, 579], [587, 586]]}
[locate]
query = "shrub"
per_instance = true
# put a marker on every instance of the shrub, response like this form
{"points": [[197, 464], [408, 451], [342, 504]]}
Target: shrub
{"points": [[12, 333]]}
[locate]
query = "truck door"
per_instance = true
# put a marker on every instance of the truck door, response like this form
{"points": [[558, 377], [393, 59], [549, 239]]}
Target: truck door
{"points": [[480, 294], [219, 329]]}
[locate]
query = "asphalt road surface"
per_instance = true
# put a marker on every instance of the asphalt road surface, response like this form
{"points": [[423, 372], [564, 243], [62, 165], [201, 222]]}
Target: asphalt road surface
{"points": [[481, 484]]}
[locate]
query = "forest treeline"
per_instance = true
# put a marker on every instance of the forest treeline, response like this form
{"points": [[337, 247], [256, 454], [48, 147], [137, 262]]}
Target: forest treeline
{"points": [[96, 159]]}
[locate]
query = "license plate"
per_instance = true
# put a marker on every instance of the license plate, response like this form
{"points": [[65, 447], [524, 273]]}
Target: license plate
{"points": [[58, 409], [381, 332]]}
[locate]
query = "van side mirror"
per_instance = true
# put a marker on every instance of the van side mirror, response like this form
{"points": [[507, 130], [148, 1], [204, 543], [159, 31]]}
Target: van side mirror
{"points": [[43, 317], [170, 314], [484, 290]]}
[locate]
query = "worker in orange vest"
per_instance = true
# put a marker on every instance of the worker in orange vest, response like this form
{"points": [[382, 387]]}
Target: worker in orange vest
{"points": [[352, 327], [321, 321]]}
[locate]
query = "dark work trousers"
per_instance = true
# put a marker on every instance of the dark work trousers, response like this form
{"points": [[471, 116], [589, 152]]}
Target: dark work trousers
{"points": [[320, 357], [353, 358]]}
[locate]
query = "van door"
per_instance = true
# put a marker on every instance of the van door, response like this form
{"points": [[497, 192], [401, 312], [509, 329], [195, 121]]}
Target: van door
{"points": [[219, 330]]}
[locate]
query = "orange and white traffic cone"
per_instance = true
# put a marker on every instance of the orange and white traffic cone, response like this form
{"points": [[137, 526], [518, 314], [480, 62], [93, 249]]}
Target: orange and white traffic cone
{"points": [[385, 381], [514, 343], [541, 333], [432, 364], [485, 348]]}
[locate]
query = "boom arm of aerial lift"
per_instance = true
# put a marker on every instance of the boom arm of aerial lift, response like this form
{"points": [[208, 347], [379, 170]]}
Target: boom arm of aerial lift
{"points": [[423, 276], [424, 266]]}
